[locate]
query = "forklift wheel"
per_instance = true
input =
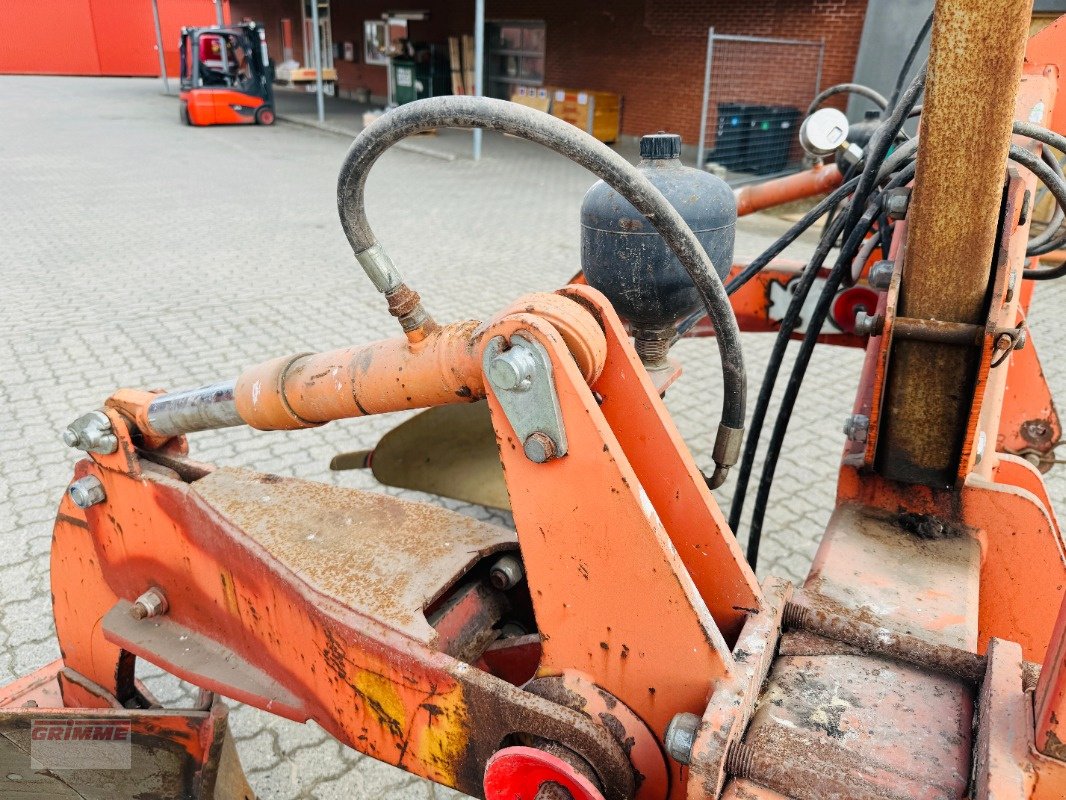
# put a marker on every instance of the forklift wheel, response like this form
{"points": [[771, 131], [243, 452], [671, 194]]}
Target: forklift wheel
{"points": [[183, 112], [264, 115]]}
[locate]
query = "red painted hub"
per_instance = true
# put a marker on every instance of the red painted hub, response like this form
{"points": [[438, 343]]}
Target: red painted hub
{"points": [[516, 773], [848, 302]]}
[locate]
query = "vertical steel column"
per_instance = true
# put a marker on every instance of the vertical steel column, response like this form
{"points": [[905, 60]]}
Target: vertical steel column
{"points": [[821, 64], [975, 65], [316, 39], [159, 47], [706, 99], [479, 66], [218, 14]]}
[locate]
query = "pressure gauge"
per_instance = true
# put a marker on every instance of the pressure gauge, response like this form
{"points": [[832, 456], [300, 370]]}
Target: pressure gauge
{"points": [[824, 132]]}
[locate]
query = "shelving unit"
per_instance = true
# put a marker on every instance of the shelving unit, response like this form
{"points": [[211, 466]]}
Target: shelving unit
{"points": [[514, 56]]}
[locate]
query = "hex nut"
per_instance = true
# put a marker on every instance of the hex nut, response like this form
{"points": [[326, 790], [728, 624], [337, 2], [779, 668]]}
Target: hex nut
{"points": [[539, 447], [152, 603], [857, 427], [87, 491], [506, 572], [896, 203], [680, 736]]}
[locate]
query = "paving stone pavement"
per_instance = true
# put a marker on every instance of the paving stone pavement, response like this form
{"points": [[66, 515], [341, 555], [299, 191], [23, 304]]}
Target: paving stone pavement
{"points": [[137, 252]]}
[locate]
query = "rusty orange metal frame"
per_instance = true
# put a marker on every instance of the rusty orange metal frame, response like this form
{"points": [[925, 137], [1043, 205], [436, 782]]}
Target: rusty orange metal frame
{"points": [[927, 605]]}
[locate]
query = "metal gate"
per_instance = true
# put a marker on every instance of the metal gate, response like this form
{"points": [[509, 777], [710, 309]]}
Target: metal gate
{"points": [[755, 92]]}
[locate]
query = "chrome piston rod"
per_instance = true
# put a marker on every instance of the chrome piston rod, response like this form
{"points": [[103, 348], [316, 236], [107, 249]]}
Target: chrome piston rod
{"points": [[204, 408]]}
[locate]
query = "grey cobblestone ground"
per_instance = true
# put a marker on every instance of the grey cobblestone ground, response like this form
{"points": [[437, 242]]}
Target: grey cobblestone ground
{"points": [[137, 252]]}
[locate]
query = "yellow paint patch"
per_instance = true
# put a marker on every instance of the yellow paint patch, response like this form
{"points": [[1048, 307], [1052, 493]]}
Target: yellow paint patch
{"points": [[441, 739], [229, 591], [383, 701]]}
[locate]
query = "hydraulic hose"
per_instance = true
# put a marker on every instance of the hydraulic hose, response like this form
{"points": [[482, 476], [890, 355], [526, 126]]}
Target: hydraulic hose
{"points": [[908, 62], [854, 222], [1046, 241], [1057, 188], [872, 95], [583, 149], [799, 366]]}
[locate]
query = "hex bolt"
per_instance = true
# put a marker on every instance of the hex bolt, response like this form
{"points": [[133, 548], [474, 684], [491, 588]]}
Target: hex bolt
{"points": [[539, 447], [512, 370], [506, 572], [896, 203], [681, 736], [880, 276], [857, 427], [868, 324], [152, 603], [87, 491]]}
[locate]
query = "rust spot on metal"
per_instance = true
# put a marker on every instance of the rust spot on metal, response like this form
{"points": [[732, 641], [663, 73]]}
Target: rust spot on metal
{"points": [[335, 539], [402, 300], [927, 526], [1054, 747]]}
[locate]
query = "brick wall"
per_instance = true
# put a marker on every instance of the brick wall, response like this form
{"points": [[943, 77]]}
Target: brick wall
{"points": [[649, 51], [652, 52]]}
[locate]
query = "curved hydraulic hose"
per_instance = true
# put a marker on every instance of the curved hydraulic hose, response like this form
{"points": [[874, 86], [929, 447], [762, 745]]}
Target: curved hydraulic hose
{"points": [[1044, 244], [583, 149], [862, 90], [1057, 188], [1046, 241]]}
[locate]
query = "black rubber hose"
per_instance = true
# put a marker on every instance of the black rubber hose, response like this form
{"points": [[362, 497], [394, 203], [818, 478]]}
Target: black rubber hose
{"points": [[1047, 241], [1041, 134], [872, 95], [1058, 141], [773, 367], [799, 366], [877, 150], [580, 147], [908, 62], [1057, 188]]}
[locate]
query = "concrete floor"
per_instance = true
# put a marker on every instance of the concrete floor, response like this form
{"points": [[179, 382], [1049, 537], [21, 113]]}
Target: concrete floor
{"points": [[138, 252]]}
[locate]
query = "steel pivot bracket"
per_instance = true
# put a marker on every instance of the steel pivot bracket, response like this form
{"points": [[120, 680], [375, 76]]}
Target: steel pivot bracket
{"points": [[522, 379]]}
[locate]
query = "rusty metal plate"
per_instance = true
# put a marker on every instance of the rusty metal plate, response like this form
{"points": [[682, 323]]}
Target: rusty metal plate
{"points": [[381, 556], [868, 566], [862, 727]]}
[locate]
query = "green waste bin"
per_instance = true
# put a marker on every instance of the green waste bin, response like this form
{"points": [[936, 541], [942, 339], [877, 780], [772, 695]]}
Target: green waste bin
{"points": [[404, 82]]}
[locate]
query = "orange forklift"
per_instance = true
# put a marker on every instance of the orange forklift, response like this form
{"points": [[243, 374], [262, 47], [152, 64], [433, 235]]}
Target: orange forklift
{"points": [[227, 77]]}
